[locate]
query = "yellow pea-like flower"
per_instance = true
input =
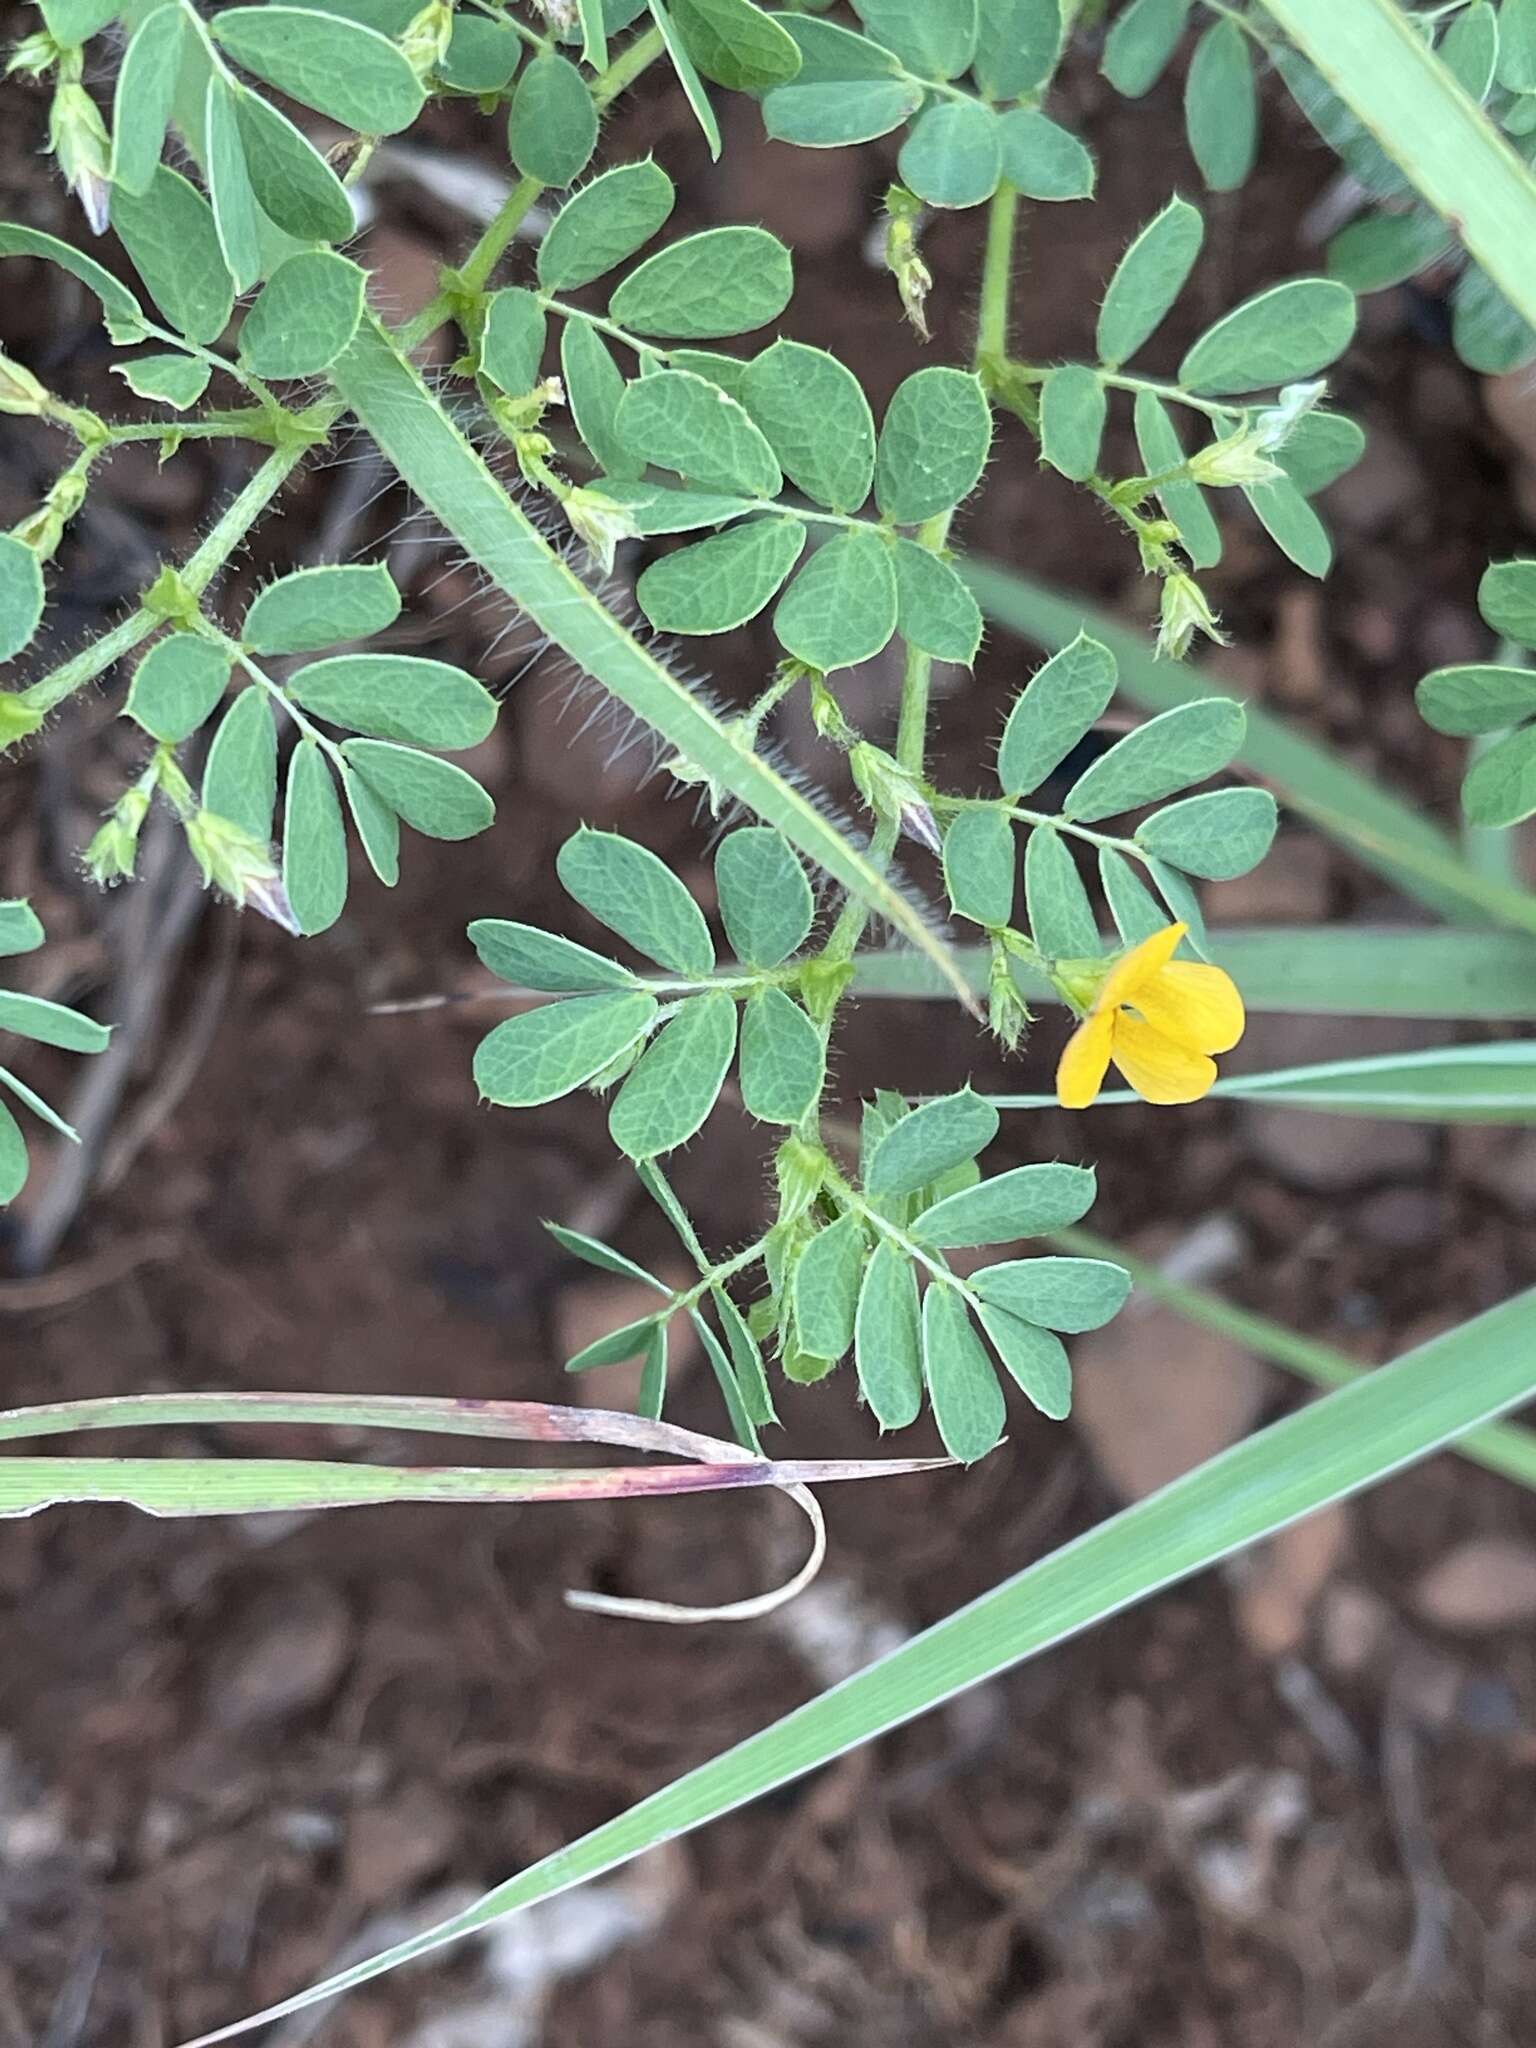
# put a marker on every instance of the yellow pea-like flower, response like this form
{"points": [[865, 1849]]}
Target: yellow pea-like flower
{"points": [[1159, 1020]]}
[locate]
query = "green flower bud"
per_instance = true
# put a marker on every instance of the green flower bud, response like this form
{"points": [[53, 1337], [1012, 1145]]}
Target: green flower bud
{"points": [[893, 794], [240, 865], [600, 523], [914, 280], [1185, 611], [20, 392], [77, 135], [800, 1170], [425, 41], [18, 720], [1240, 459], [33, 56], [1008, 1015], [111, 855]]}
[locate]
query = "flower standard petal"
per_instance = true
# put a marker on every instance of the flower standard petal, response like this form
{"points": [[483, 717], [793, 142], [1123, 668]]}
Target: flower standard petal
{"points": [[1158, 1068], [1085, 1060], [1197, 1005], [1134, 969]]}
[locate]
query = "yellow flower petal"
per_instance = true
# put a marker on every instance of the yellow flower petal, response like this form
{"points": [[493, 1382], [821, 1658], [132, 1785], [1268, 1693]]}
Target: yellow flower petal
{"points": [[1085, 1060], [1159, 1069], [1138, 966], [1196, 1006]]}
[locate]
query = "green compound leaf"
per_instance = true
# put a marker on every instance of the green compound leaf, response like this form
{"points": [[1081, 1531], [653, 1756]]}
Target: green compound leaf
{"points": [[1292, 524], [169, 233], [545, 1053], [240, 780], [433, 797], [177, 381], [1036, 1360], [235, 213], [1183, 501], [827, 115], [21, 595], [633, 893], [1059, 1294], [841, 608], [294, 185], [529, 958], [315, 608], [967, 1400], [604, 223], [724, 281], [512, 344], [397, 697], [1320, 449], [377, 827], [979, 860], [124, 315], [1061, 918], [1500, 788], [933, 38], [1384, 249], [1480, 699], [736, 44], [1017, 46], [687, 76], [1221, 107], [934, 607], [826, 1288], [1060, 703], [304, 316], [324, 61], [766, 904], [1042, 159], [314, 842], [720, 583], [1158, 759], [933, 445], [176, 687], [482, 55], [21, 930], [1029, 1201], [552, 123], [1290, 331], [13, 1157], [1506, 597], [676, 1081], [141, 106], [593, 389], [887, 1346], [1218, 836], [679, 421], [782, 1061], [1073, 406], [1136, 911], [817, 420], [48, 1023], [953, 155], [1141, 44], [928, 1141]]}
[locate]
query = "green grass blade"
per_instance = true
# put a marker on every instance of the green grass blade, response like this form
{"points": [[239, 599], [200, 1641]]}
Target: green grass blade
{"points": [[1503, 1447], [1330, 1449], [1308, 970], [1383, 69], [1379, 828], [418, 438], [1450, 1084]]}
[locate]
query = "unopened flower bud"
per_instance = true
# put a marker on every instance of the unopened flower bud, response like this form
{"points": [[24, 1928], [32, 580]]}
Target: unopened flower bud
{"points": [[240, 865], [600, 523], [111, 855], [914, 280], [20, 392], [18, 719], [45, 528], [827, 714], [33, 56], [1008, 1015], [425, 41], [1185, 611], [800, 1170], [893, 794], [1238, 460], [77, 135]]}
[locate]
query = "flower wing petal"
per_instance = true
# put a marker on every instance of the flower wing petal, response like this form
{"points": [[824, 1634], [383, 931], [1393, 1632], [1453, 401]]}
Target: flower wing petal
{"points": [[1138, 966], [1085, 1060], [1194, 1005], [1159, 1068]]}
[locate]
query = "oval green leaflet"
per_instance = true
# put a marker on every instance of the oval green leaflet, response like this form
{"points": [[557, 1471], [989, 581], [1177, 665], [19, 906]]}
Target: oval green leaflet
{"points": [[825, 1288], [720, 583], [1157, 759], [552, 123], [545, 1053], [304, 315], [1036, 1359], [294, 185], [675, 1083], [1043, 159], [314, 842], [813, 410], [628, 889], [679, 421], [1221, 107], [782, 1060], [1218, 835], [1288, 332], [593, 389], [240, 779], [397, 697], [737, 44], [1017, 46], [1291, 524], [933, 38], [1028, 1201], [933, 445], [1506, 597], [21, 595], [1478, 699], [170, 234], [887, 1346], [1061, 919], [934, 607], [1058, 1293], [1182, 500], [1056, 709], [766, 904], [1073, 408], [829, 116], [314, 608], [1141, 43], [482, 55], [433, 797], [530, 958], [841, 608], [177, 686], [979, 867], [236, 216], [512, 340], [953, 155], [1148, 279], [721, 282], [604, 223], [378, 827], [176, 381], [928, 1142], [141, 106], [962, 1386], [324, 61]]}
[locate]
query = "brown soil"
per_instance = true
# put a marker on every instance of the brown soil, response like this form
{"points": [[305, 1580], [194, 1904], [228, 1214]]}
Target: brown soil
{"points": [[232, 1754]]}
